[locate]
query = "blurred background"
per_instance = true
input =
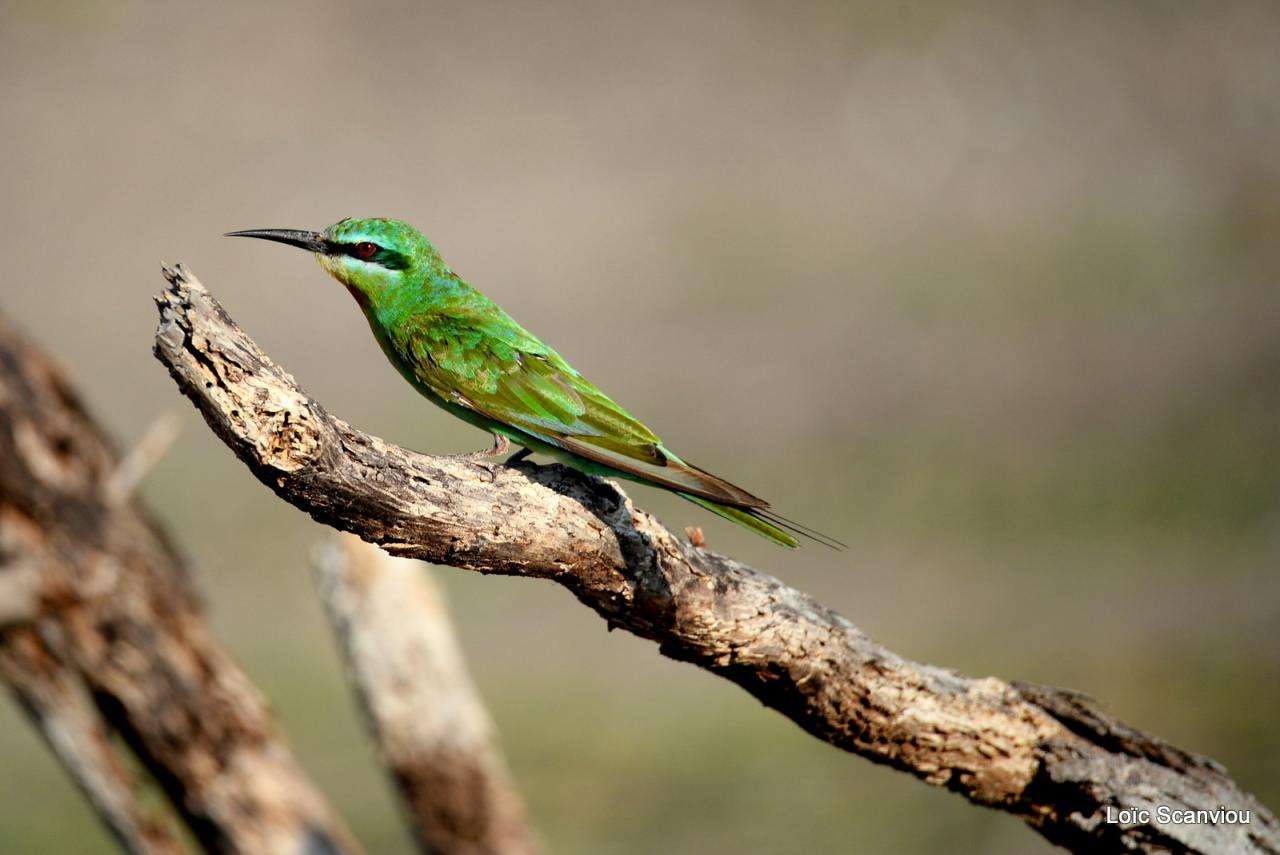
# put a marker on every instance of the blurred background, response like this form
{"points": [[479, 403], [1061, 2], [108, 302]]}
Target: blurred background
{"points": [[986, 289]]}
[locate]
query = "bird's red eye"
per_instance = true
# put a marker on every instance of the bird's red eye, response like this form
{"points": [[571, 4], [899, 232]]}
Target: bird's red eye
{"points": [[366, 250]]}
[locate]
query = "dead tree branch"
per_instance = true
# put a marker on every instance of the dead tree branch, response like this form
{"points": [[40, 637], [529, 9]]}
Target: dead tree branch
{"points": [[431, 727], [1044, 755], [103, 637], [57, 703]]}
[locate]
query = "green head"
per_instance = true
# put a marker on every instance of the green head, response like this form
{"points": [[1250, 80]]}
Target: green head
{"points": [[374, 257]]}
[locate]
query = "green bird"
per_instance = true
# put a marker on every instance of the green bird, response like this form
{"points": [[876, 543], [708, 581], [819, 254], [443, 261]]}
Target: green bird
{"points": [[464, 353]]}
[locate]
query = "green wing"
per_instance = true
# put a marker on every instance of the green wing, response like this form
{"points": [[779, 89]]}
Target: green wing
{"points": [[498, 369]]}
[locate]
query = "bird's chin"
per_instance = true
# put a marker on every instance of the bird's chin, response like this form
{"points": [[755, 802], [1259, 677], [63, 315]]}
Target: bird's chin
{"points": [[335, 268], [333, 265], [338, 271]]}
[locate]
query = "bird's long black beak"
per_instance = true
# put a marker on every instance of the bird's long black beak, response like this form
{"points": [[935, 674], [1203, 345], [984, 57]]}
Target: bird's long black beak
{"points": [[313, 241]]}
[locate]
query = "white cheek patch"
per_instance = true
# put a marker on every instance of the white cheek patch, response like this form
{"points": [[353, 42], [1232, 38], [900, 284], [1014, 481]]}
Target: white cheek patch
{"points": [[373, 277]]}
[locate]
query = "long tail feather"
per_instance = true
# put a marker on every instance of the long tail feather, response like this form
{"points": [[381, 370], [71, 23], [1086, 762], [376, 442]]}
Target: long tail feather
{"points": [[802, 530], [747, 519], [768, 524]]}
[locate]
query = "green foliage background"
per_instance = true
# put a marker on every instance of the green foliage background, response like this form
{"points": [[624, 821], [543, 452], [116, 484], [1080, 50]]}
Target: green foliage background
{"points": [[986, 289]]}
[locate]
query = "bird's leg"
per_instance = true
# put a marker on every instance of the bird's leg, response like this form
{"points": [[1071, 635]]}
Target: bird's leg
{"points": [[517, 457], [501, 445]]}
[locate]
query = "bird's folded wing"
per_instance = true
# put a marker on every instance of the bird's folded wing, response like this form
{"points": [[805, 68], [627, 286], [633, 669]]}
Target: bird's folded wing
{"points": [[510, 376]]}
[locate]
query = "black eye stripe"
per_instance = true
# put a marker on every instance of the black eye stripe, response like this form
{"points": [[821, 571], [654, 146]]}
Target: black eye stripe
{"points": [[388, 258], [351, 249]]}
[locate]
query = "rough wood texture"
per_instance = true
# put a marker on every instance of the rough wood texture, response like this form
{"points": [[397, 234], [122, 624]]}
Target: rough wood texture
{"points": [[103, 635], [58, 704], [432, 729], [1044, 755]]}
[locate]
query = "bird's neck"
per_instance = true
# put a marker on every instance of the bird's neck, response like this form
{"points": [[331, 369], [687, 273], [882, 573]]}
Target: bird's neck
{"points": [[436, 291]]}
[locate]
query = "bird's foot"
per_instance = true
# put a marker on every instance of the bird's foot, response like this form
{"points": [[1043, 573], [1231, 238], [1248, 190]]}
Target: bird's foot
{"points": [[517, 457], [501, 445]]}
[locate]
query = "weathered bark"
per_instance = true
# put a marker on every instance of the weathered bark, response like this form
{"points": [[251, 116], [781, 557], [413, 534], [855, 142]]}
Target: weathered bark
{"points": [[1044, 755], [102, 635], [60, 707], [432, 729]]}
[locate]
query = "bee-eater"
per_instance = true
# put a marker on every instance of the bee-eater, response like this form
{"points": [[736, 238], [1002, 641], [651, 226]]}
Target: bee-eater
{"points": [[464, 353]]}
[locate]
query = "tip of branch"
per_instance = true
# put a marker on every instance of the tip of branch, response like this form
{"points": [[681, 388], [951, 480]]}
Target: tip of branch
{"points": [[178, 274], [182, 283]]}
